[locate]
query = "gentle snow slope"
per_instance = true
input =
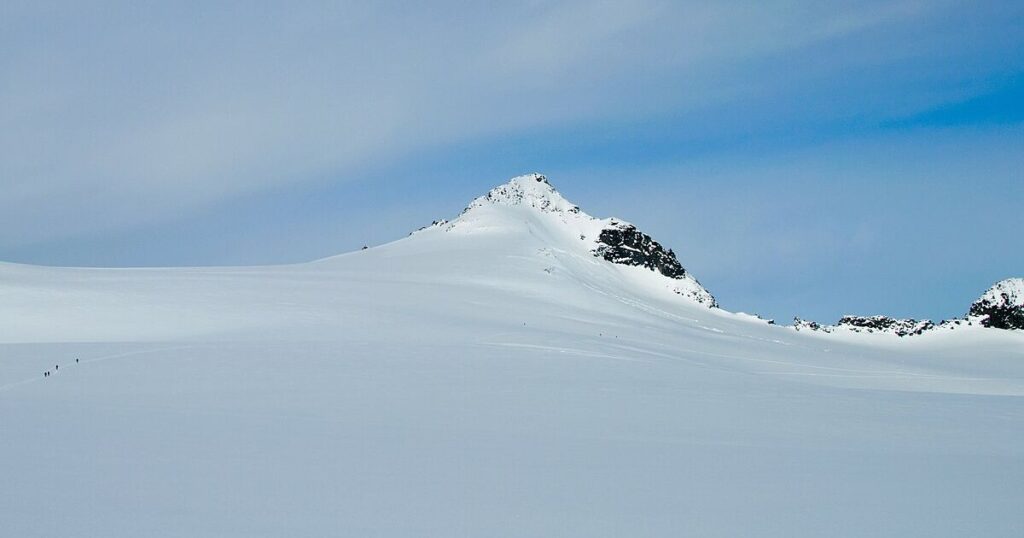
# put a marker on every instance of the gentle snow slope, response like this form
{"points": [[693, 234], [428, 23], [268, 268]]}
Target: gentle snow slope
{"points": [[484, 377]]}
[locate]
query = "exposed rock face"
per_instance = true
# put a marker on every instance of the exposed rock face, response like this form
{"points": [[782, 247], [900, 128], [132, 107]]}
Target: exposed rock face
{"points": [[1002, 306], [899, 327], [868, 324], [624, 244]]}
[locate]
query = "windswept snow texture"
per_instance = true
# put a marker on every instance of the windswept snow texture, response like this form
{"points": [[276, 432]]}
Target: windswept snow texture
{"points": [[488, 376]]}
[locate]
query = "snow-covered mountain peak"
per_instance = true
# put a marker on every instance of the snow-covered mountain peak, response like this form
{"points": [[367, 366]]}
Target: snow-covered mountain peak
{"points": [[526, 203], [529, 206], [531, 190]]}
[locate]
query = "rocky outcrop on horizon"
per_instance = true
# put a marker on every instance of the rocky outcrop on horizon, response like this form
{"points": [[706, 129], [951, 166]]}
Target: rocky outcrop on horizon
{"points": [[899, 327], [1000, 307]]}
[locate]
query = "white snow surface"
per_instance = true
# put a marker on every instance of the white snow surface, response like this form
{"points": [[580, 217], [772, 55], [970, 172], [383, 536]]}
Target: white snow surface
{"points": [[484, 377]]}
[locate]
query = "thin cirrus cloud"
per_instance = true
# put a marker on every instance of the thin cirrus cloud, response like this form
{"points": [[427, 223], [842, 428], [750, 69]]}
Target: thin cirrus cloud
{"points": [[122, 115]]}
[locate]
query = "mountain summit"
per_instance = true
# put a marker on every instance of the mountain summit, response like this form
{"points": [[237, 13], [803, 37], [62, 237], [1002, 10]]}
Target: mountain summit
{"points": [[531, 201], [531, 190]]}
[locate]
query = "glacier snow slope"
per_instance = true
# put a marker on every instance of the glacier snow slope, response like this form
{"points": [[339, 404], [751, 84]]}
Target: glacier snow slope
{"points": [[485, 377]]}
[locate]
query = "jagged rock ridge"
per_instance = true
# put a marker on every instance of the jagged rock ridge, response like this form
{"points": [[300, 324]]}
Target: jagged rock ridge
{"points": [[1000, 307], [899, 327]]}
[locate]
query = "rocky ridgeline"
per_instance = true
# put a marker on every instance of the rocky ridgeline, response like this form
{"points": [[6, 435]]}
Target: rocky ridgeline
{"points": [[900, 327], [1001, 307]]}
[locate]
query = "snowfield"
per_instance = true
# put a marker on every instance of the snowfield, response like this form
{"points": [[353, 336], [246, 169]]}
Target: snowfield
{"points": [[488, 376]]}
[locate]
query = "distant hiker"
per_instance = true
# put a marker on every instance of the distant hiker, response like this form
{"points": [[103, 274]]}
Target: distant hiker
{"points": [[76, 361], [56, 367]]}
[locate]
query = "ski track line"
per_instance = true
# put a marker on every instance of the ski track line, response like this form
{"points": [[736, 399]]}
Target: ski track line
{"points": [[585, 353], [564, 350], [4, 388], [846, 372], [839, 372]]}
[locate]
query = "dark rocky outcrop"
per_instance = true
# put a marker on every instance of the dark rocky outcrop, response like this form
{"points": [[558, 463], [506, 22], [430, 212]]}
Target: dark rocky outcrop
{"points": [[899, 327], [624, 244], [1002, 306], [868, 324]]}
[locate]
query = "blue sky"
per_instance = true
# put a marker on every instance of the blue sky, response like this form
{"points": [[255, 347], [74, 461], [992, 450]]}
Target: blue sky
{"points": [[802, 158]]}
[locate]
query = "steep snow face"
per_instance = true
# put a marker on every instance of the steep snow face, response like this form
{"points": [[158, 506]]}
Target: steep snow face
{"points": [[1002, 306], [551, 217]]}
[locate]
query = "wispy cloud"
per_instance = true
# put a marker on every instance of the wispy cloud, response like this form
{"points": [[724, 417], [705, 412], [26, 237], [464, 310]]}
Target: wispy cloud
{"points": [[124, 113]]}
